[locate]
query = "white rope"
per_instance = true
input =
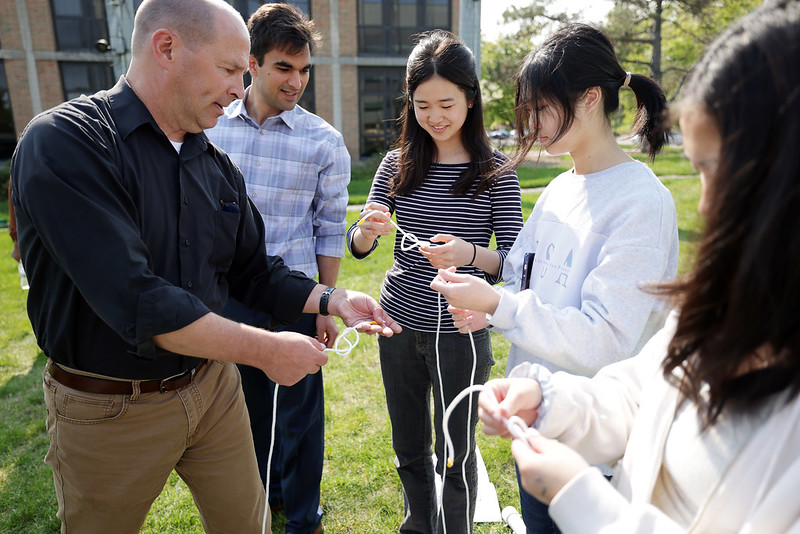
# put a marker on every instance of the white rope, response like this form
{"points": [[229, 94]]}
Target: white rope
{"points": [[350, 345], [336, 349], [515, 425], [445, 418], [269, 459], [415, 241]]}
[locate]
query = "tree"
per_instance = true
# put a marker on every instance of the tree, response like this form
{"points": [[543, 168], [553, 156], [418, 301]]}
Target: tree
{"points": [[664, 38], [501, 60], [660, 38]]}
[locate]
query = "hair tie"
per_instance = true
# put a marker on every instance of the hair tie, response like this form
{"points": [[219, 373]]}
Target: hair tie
{"points": [[627, 79]]}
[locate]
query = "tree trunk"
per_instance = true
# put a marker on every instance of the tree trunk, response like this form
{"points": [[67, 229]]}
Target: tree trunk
{"points": [[655, 64]]}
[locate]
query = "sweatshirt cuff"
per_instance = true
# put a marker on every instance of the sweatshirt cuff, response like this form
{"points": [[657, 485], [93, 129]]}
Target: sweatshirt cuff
{"points": [[503, 316], [545, 378]]}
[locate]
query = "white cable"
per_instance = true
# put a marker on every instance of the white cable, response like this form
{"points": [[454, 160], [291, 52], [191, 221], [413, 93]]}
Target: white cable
{"points": [[449, 461], [336, 349], [515, 425], [269, 460], [350, 345], [415, 242], [440, 497]]}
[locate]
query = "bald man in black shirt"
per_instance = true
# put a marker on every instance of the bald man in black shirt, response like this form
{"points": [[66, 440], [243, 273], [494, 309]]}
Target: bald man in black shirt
{"points": [[134, 230]]}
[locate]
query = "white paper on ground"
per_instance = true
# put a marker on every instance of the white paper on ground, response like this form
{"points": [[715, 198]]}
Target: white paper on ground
{"points": [[487, 507]]}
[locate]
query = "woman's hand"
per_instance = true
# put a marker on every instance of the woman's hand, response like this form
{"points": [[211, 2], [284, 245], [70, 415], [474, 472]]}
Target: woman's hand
{"points": [[467, 320], [465, 291], [453, 252], [545, 465], [505, 398], [371, 224]]}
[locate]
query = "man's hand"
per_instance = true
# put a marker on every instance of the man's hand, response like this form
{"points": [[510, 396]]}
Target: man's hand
{"points": [[293, 357], [363, 312], [327, 331]]}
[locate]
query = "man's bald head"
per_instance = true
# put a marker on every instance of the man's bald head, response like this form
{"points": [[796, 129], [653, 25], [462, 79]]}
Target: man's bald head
{"points": [[192, 20]]}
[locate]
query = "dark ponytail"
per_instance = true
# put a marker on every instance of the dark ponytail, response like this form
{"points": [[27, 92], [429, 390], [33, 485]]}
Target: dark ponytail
{"points": [[652, 124], [575, 58]]}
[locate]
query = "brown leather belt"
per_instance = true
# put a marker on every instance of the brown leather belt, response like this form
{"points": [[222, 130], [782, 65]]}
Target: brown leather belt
{"points": [[91, 384]]}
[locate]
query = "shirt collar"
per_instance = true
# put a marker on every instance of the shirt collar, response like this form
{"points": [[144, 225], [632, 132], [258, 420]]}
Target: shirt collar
{"points": [[130, 113], [237, 110]]}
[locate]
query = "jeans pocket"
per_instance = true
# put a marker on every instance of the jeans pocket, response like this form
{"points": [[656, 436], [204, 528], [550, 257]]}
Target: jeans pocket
{"points": [[80, 407]]}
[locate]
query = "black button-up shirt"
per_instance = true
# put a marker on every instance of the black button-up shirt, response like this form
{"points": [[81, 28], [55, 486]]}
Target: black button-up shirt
{"points": [[124, 239]]}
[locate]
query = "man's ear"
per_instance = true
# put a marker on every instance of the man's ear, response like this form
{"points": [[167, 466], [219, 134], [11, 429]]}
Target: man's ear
{"points": [[163, 44], [252, 65]]}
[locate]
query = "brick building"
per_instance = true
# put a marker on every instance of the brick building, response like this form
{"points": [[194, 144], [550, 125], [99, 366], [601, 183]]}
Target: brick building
{"points": [[53, 50]]}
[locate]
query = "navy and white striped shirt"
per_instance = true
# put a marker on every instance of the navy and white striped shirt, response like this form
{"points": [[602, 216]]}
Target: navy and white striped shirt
{"points": [[433, 209]]}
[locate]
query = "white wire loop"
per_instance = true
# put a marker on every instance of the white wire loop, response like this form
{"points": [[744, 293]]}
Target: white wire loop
{"points": [[516, 425], [407, 236], [343, 338], [345, 350]]}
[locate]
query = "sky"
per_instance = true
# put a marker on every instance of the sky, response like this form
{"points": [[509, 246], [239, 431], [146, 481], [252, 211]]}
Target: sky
{"points": [[492, 13]]}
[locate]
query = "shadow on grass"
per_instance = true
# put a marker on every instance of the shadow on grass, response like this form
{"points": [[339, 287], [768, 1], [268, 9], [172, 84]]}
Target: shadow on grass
{"points": [[27, 498]]}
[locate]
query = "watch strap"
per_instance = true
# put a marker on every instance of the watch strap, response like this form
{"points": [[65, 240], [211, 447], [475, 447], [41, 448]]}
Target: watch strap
{"points": [[324, 299]]}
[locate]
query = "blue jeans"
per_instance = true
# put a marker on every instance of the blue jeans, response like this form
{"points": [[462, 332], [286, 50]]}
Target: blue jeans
{"points": [[534, 513], [409, 369], [298, 452]]}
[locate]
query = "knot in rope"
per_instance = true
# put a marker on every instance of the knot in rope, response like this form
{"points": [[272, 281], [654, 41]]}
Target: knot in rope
{"points": [[349, 345], [407, 236]]}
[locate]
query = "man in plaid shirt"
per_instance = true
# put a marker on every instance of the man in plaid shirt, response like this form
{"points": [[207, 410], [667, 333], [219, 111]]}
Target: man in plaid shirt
{"points": [[297, 169]]}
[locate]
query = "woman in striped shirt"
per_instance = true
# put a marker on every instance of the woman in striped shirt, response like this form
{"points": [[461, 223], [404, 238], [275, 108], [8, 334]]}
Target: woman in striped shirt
{"points": [[448, 188]]}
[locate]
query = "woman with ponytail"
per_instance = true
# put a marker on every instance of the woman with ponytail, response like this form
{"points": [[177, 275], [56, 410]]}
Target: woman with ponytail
{"points": [[573, 299]]}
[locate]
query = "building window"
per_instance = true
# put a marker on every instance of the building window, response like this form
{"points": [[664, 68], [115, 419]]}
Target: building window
{"points": [[247, 8], [8, 136], [380, 89], [79, 24], [386, 27], [84, 78]]}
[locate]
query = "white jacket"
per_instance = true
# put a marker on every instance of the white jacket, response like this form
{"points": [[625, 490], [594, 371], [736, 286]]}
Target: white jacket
{"points": [[626, 412]]}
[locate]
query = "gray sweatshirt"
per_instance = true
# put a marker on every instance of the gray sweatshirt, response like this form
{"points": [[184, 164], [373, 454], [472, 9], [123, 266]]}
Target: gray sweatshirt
{"points": [[597, 240]]}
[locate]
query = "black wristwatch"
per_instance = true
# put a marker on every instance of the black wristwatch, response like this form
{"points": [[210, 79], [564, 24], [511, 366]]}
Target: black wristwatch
{"points": [[323, 300]]}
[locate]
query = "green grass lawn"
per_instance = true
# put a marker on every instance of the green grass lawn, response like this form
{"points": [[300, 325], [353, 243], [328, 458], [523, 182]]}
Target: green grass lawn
{"points": [[360, 488]]}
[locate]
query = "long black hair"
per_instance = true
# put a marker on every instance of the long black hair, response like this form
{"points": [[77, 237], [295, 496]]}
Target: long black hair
{"points": [[442, 53], [575, 58], [739, 327]]}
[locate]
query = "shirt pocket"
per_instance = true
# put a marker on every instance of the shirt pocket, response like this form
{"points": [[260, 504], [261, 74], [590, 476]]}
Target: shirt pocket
{"points": [[226, 226]]}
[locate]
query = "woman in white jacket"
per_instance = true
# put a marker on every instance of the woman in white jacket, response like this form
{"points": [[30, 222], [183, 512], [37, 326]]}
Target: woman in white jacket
{"points": [[598, 231], [705, 422]]}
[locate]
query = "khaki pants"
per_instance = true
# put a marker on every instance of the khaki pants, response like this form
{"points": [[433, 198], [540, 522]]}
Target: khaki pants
{"points": [[111, 454]]}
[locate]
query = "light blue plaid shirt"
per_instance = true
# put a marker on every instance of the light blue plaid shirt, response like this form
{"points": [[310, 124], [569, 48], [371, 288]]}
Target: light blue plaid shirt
{"points": [[297, 169]]}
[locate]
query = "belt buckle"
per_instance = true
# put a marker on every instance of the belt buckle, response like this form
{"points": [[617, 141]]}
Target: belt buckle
{"points": [[162, 385]]}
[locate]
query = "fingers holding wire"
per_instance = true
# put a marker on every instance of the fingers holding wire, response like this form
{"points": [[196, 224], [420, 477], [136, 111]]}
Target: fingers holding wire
{"points": [[375, 221], [468, 320]]}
